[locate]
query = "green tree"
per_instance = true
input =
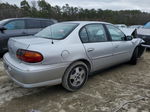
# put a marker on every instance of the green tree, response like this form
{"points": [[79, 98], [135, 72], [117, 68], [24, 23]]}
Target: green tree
{"points": [[25, 7], [43, 9]]}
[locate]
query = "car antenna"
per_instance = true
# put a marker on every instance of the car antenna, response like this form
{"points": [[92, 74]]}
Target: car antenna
{"points": [[52, 41], [51, 35]]}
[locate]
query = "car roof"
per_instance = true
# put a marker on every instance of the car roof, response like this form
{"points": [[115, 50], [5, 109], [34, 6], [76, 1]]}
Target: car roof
{"points": [[9, 19], [30, 18], [120, 25], [85, 22]]}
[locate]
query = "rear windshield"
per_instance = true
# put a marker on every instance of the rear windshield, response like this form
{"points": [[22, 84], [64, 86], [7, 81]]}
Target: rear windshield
{"points": [[147, 25], [57, 31]]}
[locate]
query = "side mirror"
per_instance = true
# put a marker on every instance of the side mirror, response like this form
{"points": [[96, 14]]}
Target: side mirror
{"points": [[2, 28], [129, 38]]}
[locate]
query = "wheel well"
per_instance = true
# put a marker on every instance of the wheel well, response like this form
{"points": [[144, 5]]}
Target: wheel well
{"points": [[84, 61]]}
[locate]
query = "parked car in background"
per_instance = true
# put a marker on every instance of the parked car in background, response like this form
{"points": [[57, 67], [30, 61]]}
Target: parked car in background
{"points": [[144, 33], [136, 26], [127, 31], [16, 27], [121, 25], [65, 53]]}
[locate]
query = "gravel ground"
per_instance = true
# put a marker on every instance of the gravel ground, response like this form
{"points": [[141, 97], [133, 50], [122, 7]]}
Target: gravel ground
{"points": [[124, 88]]}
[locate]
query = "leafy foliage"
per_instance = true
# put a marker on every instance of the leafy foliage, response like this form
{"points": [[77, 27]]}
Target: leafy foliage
{"points": [[43, 9]]}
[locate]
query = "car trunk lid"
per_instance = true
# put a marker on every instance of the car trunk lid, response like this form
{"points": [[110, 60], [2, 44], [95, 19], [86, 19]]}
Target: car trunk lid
{"points": [[14, 45], [23, 43]]}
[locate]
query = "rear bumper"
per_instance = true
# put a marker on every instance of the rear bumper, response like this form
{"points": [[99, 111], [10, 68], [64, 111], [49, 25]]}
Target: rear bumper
{"points": [[29, 76]]}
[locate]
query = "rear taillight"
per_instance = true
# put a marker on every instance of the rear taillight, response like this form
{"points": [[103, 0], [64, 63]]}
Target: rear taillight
{"points": [[29, 56]]}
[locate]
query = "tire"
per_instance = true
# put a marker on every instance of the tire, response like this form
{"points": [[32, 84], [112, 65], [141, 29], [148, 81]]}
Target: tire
{"points": [[133, 60], [140, 51], [75, 76], [1, 55]]}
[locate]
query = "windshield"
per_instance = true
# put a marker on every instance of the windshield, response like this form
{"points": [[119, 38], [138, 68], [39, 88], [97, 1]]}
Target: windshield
{"points": [[57, 31], [147, 25], [3, 21]]}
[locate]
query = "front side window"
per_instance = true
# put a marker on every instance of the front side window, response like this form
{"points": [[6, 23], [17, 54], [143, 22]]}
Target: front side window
{"points": [[17, 24], [115, 33], [96, 33], [3, 21], [57, 31]]}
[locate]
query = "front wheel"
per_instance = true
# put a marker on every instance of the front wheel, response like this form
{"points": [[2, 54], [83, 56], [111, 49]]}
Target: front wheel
{"points": [[75, 76], [135, 54], [141, 51]]}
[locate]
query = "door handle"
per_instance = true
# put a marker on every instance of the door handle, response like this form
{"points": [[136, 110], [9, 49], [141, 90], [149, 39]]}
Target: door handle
{"points": [[90, 49]]}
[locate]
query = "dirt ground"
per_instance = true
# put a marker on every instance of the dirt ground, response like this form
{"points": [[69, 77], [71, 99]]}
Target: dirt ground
{"points": [[124, 88]]}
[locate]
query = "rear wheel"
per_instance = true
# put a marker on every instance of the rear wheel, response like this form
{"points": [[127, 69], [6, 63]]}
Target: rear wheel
{"points": [[133, 60], [1, 54], [75, 76]]}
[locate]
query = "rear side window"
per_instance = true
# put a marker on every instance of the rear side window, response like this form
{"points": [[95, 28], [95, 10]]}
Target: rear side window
{"points": [[45, 23], [33, 24], [16, 24], [84, 35], [95, 32]]}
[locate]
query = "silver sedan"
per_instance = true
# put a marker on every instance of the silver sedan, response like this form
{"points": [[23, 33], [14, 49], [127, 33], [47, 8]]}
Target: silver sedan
{"points": [[66, 53]]}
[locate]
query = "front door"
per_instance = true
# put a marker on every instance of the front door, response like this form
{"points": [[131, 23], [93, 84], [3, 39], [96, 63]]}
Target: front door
{"points": [[121, 47]]}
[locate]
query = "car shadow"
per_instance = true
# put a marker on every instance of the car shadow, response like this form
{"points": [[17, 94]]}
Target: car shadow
{"points": [[109, 69], [1, 55], [55, 92]]}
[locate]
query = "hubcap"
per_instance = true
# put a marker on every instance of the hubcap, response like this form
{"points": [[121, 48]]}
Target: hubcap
{"points": [[77, 76]]}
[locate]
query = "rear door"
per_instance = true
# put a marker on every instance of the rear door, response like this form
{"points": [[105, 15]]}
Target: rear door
{"points": [[33, 26], [97, 45], [122, 49], [15, 28]]}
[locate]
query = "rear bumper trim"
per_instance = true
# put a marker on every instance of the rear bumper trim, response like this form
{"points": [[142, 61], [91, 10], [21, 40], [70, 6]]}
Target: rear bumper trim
{"points": [[36, 78]]}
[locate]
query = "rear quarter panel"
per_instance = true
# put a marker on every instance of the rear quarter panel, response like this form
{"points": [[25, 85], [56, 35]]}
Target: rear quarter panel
{"points": [[67, 50]]}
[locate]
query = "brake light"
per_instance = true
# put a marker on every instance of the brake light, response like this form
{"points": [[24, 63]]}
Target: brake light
{"points": [[29, 56]]}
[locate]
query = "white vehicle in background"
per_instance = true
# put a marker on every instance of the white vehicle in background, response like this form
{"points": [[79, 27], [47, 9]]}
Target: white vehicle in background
{"points": [[136, 26], [127, 31], [121, 25]]}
